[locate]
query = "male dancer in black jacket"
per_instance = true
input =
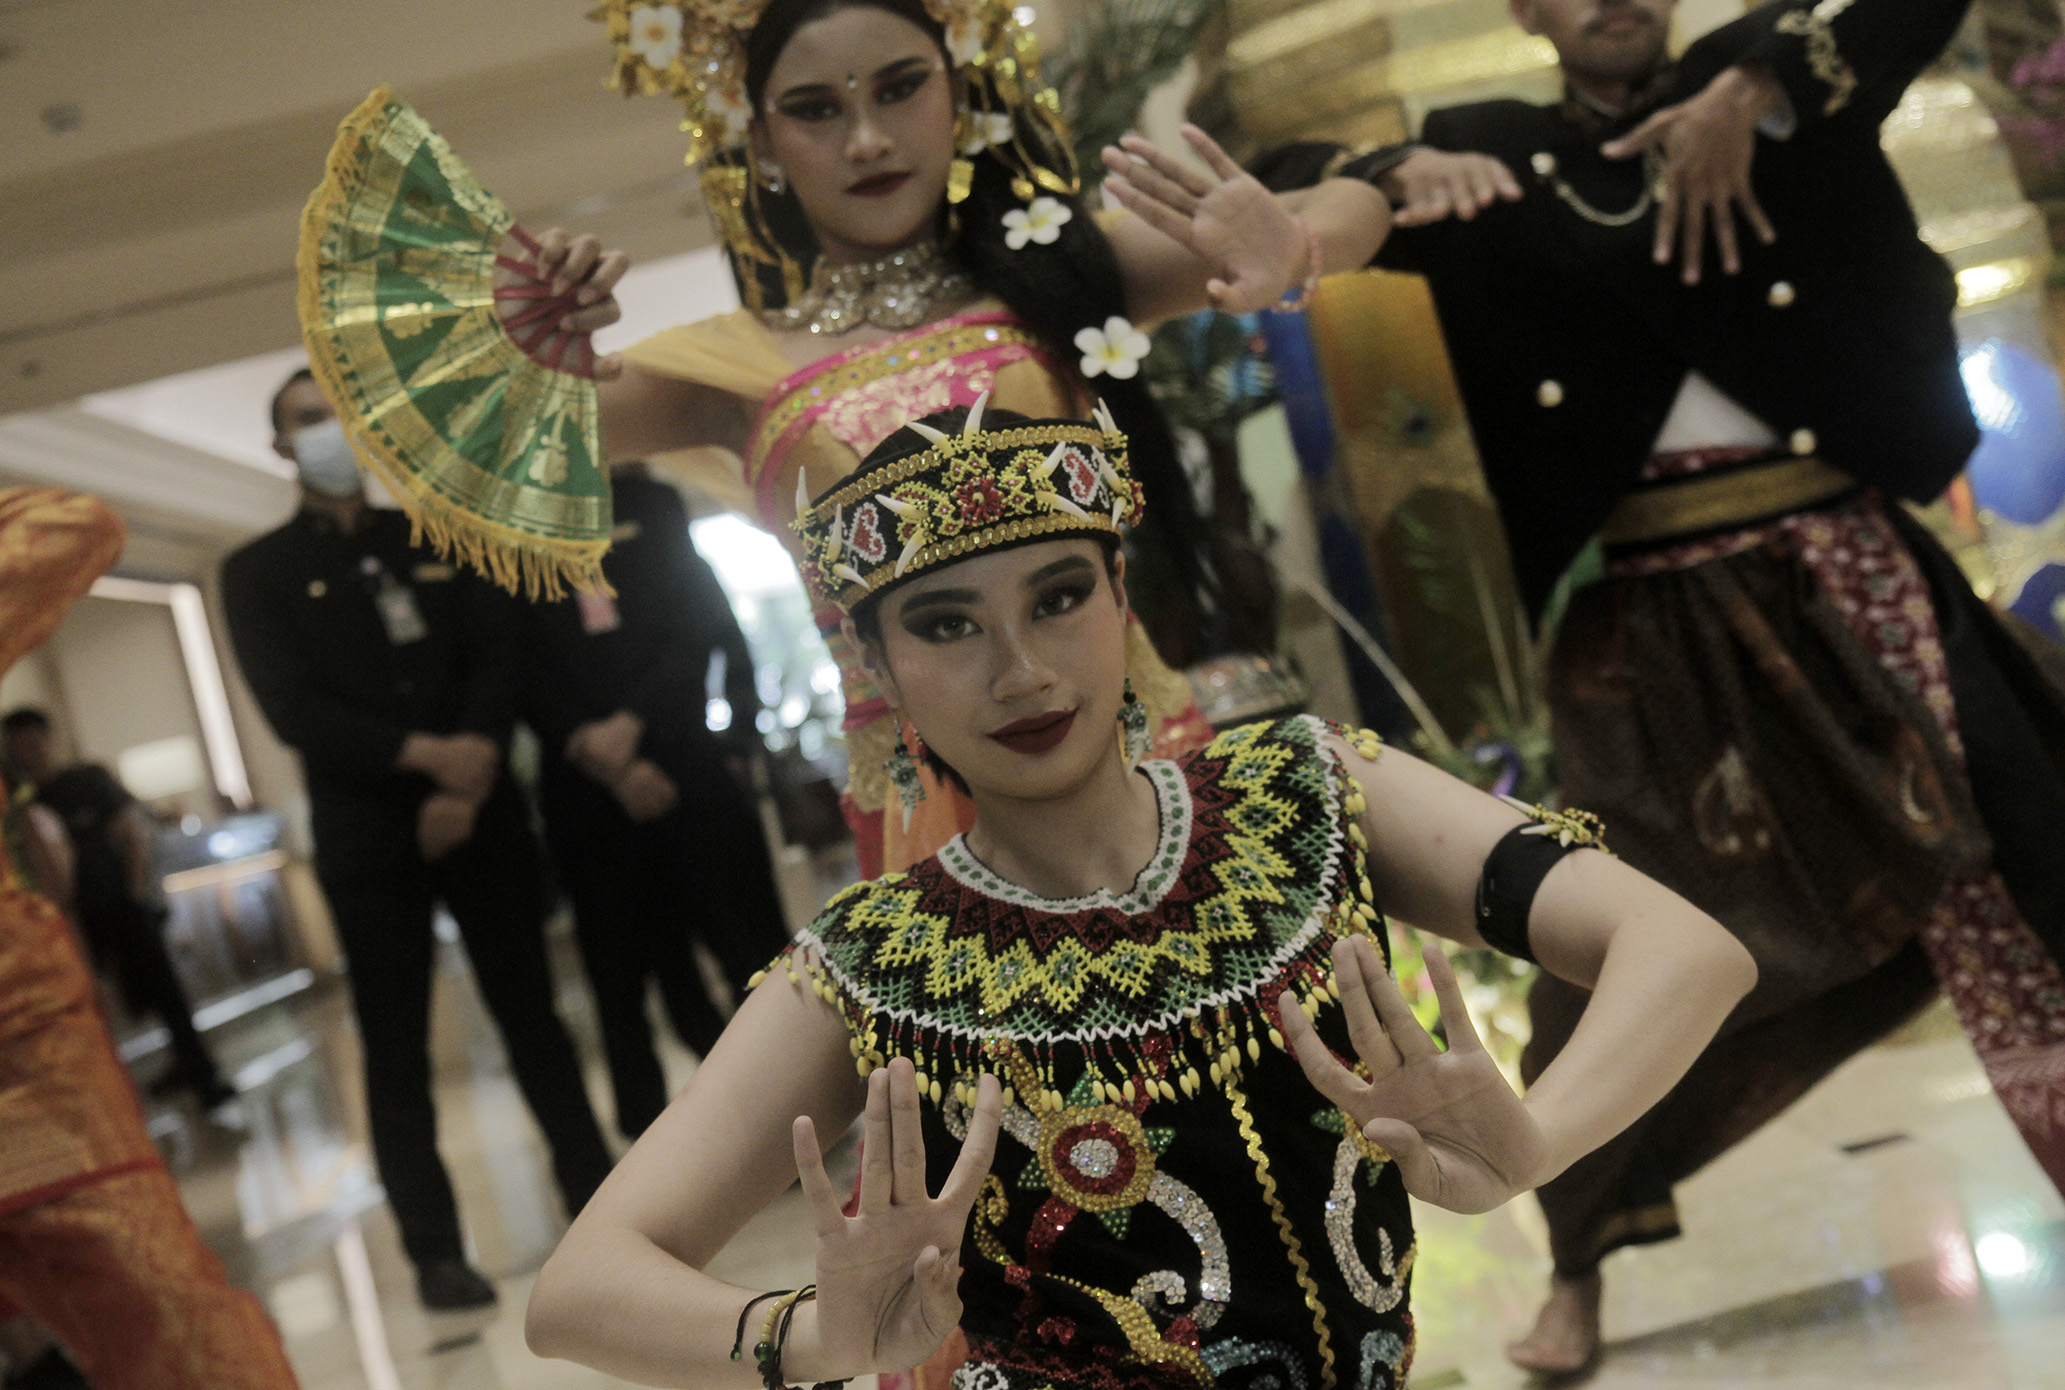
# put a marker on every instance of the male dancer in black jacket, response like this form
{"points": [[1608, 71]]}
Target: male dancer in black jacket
{"points": [[1691, 315]]}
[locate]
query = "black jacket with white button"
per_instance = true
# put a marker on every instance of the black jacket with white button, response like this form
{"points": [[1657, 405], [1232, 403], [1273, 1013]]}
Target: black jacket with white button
{"points": [[1570, 343]]}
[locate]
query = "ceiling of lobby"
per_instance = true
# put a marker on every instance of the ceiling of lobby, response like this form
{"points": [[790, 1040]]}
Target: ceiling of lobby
{"points": [[154, 159]]}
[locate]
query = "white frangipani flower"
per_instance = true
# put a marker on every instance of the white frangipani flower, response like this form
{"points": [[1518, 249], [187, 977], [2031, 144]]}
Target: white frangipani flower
{"points": [[1114, 350], [729, 111], [1042, 222], [990, 128], [964, 38], [656, 34]]}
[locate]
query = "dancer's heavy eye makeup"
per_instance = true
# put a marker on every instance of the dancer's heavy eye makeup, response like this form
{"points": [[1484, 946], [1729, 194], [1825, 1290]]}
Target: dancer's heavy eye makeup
{"points": [[891, 85], [941, 616]]}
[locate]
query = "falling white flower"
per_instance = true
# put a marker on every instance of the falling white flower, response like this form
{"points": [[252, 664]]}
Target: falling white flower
{"points": [[1042, 222], [656, 34], [1114, 350]]}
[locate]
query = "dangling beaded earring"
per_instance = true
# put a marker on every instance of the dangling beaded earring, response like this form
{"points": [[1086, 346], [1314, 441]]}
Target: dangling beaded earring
{"points": [[1133, 728], [777, 181], [902, 768]]}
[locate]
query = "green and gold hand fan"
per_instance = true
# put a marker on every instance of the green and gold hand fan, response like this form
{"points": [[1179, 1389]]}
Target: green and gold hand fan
{"points": [[482, 423]]}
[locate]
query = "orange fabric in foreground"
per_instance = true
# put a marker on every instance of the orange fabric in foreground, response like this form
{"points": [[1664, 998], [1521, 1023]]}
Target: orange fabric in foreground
{"points": [[115, 1270], [94, 1243]]}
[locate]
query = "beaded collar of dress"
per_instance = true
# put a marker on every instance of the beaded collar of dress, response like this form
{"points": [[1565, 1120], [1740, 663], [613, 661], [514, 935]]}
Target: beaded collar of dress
{"points": [[898, 291]]}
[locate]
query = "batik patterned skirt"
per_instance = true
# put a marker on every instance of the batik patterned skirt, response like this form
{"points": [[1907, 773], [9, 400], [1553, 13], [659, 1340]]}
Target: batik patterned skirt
{"points": [[1813, 730]]}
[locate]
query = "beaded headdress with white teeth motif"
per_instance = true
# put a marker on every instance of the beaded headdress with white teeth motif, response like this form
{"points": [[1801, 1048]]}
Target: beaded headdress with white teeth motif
{"points": [[963, 493], [695, 52]]}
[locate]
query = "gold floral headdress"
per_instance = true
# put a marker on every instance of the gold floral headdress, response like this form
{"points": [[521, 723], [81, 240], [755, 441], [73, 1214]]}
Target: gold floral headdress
{"points": [[695, 52], [977, 490]]}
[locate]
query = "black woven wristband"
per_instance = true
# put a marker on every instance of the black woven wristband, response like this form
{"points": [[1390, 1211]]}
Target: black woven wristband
{"points": [[1513, 874]]}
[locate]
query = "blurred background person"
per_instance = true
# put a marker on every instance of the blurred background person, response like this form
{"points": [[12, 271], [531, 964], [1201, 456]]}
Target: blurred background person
{"points": [[391, 674], [109, 893], [95, 1244], [649, 813]]}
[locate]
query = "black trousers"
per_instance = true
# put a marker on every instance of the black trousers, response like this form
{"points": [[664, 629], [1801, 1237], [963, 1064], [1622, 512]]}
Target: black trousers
{"points": [[127, 941], [494, 887], [644, 894]]}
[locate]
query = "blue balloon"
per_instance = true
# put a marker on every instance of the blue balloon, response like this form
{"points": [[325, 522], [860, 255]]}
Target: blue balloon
{"points": [[2018, 470]]}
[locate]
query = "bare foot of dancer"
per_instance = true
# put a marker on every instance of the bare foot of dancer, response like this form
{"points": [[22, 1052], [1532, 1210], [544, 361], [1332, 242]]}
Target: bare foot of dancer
{"points": [[1565, 1338]]}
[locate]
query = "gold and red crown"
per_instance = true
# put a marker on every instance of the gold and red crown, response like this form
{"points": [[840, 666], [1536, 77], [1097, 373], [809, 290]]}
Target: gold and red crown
{"points": [[695, 52], [965, 493]]}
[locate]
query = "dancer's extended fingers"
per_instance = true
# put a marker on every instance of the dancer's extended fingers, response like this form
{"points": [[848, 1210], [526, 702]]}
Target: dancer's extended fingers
{"points": [[551, 251], [877, 1148], [1153, 212], [602, 280], [1724, 235], [1400, 1025], [1644, 135], [1222, 163], [1692, 236], [582, 253], [1150, 181], [817, 1184], [1754, 211], [906, 1126], [593, 317], [1666, 220], [1481, 194], [1365, 1031], [1192, 179], [1429, 203], [1455, 1014], [1324, 1070], [978, 1149], [1508, 186]]}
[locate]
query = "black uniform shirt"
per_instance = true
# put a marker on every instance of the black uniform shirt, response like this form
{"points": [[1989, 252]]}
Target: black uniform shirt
{"points": [[304, 609], [1570, 343], [647, 650]]}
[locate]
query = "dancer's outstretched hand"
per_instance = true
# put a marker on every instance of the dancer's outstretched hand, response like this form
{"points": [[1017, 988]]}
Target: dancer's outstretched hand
{"points": [[1252, 242], [554, 291], [1460, 1137], [887, 1277]]}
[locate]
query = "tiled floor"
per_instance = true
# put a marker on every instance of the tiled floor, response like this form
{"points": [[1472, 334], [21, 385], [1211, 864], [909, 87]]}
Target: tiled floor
{"points": [[1890, 1230]]}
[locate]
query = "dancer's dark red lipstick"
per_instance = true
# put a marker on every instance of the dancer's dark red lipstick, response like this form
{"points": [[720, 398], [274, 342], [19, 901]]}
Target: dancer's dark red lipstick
{"points": [[1037, 733], [878, 185]]}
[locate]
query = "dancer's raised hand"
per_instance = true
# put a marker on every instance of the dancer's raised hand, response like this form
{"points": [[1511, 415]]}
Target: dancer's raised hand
{"points": [[888, 1276], [552, 292], [1460, 1137], [1432, 185], [1256, 247]]}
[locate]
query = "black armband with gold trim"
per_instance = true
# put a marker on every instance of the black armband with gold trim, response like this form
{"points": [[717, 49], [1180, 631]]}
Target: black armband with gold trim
{"points": [[1514, 870]]}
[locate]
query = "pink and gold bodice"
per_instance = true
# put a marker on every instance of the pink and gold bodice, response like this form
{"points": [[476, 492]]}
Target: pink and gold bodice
{"points": [[815, 425]]}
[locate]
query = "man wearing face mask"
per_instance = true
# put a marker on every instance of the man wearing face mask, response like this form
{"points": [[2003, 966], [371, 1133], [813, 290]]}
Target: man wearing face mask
{"points": [[392, 674]]}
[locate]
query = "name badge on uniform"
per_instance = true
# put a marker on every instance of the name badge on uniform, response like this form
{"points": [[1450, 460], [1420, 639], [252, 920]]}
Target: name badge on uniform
{"points": [[598, 611], [396, 603]]}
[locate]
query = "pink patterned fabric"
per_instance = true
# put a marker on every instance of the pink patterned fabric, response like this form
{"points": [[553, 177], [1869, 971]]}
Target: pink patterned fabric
{"points": [[865, 394], [2009, 994]]}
